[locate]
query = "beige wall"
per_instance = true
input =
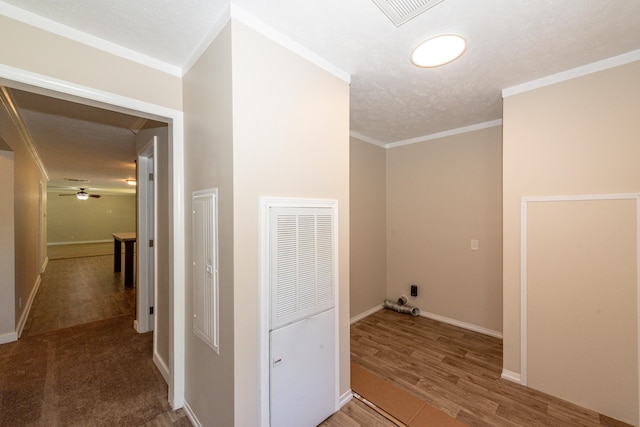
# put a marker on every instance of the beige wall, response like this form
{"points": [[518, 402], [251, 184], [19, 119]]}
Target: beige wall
{"points": [[162, 238], [32, 50], [70, 220], [209, 384], [291, 139], [575, 137], [27, 180], [7, 245], [36, 50], [441, 194], [368, 226]]}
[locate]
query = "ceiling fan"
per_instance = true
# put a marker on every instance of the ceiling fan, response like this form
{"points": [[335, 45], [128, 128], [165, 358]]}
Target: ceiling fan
{"points": [[82, 195]]}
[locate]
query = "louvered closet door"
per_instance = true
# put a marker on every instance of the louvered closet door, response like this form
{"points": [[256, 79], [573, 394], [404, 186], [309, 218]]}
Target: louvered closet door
{"points": [[302, 263], [302, 338]]}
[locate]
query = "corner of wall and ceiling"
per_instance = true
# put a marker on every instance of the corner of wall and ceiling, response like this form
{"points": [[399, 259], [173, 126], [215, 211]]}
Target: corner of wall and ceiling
{"points": [[425, 138], [573, 73], [51, 26], [286, 42], [10, 106]]}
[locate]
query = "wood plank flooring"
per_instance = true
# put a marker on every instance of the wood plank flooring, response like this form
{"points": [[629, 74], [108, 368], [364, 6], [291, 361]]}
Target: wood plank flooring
{"points": [[455, 370]]}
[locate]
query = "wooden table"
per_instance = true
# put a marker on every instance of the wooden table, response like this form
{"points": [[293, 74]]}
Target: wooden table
{"points": [[129, 239]]}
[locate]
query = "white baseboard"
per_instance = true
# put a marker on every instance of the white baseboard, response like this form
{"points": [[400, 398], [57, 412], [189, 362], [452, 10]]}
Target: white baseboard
{"points": [[192, 417], [346, 398], [366, 314], [7, 338], [75, 242], [44, 264], [27, 308], [511, 376], [463, 325], [162, 367]]}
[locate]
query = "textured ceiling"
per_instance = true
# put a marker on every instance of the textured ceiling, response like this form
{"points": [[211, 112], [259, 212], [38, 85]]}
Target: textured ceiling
{"points": [[509, 42], [78, 142]]}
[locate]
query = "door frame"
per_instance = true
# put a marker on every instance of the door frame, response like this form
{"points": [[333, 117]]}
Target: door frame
{"points": [[62, 89], [147, 214]]}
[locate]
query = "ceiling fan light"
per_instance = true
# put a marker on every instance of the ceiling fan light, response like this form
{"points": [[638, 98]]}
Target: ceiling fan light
{"points": [[81, 195], [439, 50]]}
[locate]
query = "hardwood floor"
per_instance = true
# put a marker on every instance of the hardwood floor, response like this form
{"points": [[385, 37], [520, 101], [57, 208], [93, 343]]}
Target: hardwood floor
{"points": [[456, 371]]}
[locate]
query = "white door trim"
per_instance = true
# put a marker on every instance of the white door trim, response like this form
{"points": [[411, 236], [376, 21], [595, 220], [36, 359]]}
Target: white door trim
{"points": [[27, 80], [146, 286]]}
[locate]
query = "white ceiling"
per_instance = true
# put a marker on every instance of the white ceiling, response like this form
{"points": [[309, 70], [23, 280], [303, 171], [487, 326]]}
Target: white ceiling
{"points": [[510, 42]]}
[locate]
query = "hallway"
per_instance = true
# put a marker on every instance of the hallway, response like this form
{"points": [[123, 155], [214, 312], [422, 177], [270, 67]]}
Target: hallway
{"points": [[77, 290], [79, 360]]}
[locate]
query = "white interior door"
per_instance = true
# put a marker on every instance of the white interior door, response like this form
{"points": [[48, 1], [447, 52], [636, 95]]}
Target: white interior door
{"points": [[146, 232]]}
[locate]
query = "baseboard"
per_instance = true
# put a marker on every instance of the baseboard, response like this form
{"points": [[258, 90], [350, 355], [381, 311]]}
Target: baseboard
{"points": [[7, 338], [75, 242], [27, 307], [366, 313], [511, 376], [346, 398], [463, 325], [44, 264], [162, 367], [192, 417]]}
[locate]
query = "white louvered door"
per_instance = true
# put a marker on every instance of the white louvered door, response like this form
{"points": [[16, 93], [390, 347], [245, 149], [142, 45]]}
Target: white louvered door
{"points": [[302, 271], [302, 337]]}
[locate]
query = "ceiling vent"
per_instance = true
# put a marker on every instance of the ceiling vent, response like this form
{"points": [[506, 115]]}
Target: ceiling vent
{"points": [[400, 11]]}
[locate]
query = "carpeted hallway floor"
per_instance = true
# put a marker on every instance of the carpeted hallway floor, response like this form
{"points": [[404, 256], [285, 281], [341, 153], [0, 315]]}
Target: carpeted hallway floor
{"points": [[64, 371], [98, 374]]}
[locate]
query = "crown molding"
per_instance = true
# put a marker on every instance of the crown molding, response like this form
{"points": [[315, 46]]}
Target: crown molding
{"points": [[51, 26], [217, 27], [269, 32], [438, 135], [367, 139], [573, 73], [11, 107]]}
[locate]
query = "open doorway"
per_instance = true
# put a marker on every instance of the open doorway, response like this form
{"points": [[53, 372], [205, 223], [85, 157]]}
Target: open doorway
{"points": [[172, 361]]}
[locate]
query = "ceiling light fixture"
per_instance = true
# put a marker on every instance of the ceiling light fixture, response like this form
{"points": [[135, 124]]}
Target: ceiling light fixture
{"points": [[438, 50], [131, 181], [81, 195]]}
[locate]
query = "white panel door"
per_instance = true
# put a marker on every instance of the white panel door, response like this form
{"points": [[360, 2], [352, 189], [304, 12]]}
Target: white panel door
{"points": [[302, 361]]}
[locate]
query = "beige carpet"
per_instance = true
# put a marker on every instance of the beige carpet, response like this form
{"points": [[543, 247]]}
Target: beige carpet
{"points": [[98, 374], [404, 408]]}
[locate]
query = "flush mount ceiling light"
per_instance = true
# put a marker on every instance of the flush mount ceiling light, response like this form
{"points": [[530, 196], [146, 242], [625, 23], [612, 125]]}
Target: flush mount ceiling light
{"points": [[438, 51], [131, 181]]}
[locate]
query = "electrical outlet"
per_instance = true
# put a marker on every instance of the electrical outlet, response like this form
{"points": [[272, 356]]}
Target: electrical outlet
{"points": [[414, 290], [475, 245]]}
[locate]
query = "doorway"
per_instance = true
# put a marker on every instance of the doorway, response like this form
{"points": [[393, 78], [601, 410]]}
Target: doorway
{"points": [[45, 85]]}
